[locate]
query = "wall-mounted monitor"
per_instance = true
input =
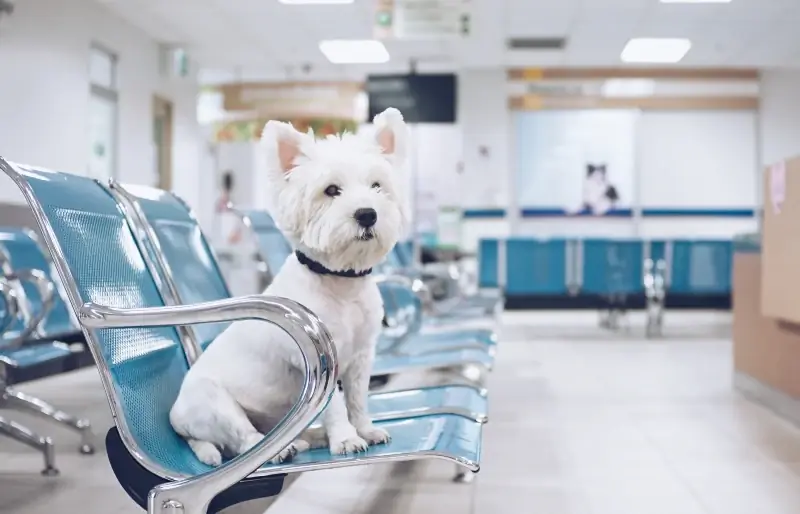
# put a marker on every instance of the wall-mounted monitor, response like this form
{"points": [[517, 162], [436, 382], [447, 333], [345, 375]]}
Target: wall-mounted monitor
{"points": [[422, 98]]}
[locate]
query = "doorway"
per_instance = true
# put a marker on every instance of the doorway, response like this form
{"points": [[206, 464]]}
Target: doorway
{"points": [[162, 141]]}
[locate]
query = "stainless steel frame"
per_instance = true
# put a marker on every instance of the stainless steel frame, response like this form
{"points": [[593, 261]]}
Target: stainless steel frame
{"points": [[655, 291], [10, 428], [9, 294], [23, 306], [32, 330], [27, 437]]}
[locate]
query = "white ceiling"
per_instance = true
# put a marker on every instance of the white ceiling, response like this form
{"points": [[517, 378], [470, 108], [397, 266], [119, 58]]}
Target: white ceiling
{"points": [[264, 39]]}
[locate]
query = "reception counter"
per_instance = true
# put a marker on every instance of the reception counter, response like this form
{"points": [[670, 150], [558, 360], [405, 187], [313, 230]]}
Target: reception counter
{"points": [[766, 351]]}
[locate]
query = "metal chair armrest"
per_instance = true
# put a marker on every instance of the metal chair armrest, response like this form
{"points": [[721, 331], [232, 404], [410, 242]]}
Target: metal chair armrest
{"points": [[11, 305], [416, 285], [46, 290], [321, 367]]}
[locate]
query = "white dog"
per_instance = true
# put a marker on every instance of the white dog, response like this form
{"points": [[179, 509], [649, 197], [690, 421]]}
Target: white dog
{"points": [[341, 203]]}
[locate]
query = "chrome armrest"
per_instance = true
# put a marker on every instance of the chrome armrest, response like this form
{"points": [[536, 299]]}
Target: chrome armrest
{"points": [[9, 294], [321, 367], [46, 290]]}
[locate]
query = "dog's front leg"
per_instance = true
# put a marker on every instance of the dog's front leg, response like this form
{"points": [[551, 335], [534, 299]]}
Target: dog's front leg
{"points": [[342, 435], [355, 382]]}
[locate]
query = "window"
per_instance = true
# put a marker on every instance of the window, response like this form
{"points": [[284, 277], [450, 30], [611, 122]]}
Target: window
{"points": [[102, 114]]}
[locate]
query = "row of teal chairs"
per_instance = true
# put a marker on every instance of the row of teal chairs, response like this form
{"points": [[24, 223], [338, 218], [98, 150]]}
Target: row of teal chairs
{"points": [[148, 294], [560, 266], [40, 338]]}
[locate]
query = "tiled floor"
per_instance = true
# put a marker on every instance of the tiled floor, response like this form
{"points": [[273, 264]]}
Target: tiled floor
{"points": [[582, 421]]}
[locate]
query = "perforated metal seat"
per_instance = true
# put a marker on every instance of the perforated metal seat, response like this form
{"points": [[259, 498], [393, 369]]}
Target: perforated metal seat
{"points": [[187, 268]]}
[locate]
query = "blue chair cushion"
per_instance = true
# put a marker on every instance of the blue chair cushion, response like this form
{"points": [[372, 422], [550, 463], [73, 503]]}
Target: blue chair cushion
{"points": [[454, 436], [34, 354]]}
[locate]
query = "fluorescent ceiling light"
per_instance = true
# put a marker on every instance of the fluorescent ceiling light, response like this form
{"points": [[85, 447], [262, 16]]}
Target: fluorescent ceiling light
{"points": [[315, 2], [354, 51], [695, 1], [655, 50]]}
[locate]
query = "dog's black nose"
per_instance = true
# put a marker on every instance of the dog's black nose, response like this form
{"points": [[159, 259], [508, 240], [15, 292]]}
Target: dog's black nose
{"points": [[366, 217]]}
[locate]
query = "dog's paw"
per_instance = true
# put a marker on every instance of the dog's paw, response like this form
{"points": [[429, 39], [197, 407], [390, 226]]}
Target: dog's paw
{"points": [[290, 451], [374, 435], [206, 452], [353, 444]]}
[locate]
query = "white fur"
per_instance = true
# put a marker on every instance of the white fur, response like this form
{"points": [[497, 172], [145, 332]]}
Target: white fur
{"points": [[251, 375]]}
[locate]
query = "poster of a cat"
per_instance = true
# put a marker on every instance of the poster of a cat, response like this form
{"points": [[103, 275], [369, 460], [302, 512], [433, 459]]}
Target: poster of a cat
{"points": [[599, 195]]}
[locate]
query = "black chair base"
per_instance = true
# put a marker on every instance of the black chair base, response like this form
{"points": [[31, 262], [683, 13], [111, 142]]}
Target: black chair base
{"points": [[137, 481]]}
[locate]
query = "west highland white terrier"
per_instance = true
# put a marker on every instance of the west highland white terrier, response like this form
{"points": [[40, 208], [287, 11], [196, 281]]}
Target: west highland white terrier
{"points": [[341, 202]]}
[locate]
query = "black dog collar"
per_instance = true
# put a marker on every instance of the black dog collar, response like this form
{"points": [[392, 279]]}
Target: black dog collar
{"points": [[319, 269]]}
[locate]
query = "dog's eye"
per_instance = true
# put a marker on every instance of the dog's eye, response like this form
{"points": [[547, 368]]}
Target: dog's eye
{"points": [[333, 190], [376, 185]]}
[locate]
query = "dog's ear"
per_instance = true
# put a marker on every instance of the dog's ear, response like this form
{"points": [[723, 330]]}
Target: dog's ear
{"points": [[283, 144], [391, 134]]}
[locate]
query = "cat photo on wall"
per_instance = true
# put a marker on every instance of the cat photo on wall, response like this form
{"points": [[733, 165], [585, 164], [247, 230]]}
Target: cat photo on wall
{"points": [[599, 195]]}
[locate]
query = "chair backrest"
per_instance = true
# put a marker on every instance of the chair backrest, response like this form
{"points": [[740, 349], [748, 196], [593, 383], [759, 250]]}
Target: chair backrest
{"points": [[188, 271], [402, 308], [98, 260], [272, 246], [402, 252], [24, 251]]}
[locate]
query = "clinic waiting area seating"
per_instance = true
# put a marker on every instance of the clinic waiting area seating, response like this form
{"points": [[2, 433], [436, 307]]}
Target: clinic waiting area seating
{"points": [[142, 334], [611, 275], [35, 341], [590, 272]]}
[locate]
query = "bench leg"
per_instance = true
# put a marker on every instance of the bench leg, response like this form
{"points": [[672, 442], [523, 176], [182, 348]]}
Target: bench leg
{"points": [[21, 401], [25, 436]]}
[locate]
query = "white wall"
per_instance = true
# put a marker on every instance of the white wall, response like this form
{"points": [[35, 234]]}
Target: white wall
{"points": [[779, 120], [698, 159], [44, 95], [485, 122]]}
